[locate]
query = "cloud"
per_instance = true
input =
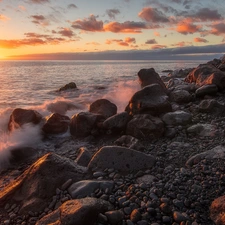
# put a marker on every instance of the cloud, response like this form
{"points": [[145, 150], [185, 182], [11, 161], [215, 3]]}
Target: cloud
{"points": [[66, 32], [88, 24], [181, 44], [112, 13], [126, 42], [157, 34], [4, 18], [40, 20], [126, 27], [206, 14], [185, 27], [93, 43], [200, 40], [218, 29], [72, 6], [38, 1], [159, 46], [153, 15], [22, 8], [11, 44], [151, 41]]}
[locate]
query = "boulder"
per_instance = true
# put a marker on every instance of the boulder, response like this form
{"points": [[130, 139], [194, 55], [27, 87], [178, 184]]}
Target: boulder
{"points": [[207, 74], [84, 157], [210, 89], [149, 76], [211, 106], [177, 118], [180, 73], [82, 123], [77, 212], [56, 124], [103, 107], [217, 211], [68, 86], [19, 117], [150, 100], [145, 126], [221, 67], [180, 96], [121, 159], [203, 130], [33, 190], [129, 142], [85, 188], [117, 122], [215, 153]]}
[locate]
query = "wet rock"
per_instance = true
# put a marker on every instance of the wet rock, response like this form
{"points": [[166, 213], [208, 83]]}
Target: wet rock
{"points": [[203, 130], [122, 159], [180, 96], [210, 89], [56, 124], [177, 118], [145, 126], [80, 211], [68, 86], [84, 157], [19, 117], [211, 106], [114, 217], [103, 107], [180, 73], [150, 100]]}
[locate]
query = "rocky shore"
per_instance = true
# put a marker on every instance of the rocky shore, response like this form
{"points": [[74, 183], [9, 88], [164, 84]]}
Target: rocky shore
{"points": [[161, 161]]}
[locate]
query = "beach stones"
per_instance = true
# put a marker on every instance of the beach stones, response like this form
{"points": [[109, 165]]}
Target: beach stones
{"points": [[210, 89], [19, 117], [68, 86], [121, 159], [180, 96], [211, 106], [150, 100], [217, 210], [204, 130], [177, 118]]}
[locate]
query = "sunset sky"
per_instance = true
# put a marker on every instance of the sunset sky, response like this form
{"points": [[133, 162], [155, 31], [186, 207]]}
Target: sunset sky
{"points": [[80, 29]]}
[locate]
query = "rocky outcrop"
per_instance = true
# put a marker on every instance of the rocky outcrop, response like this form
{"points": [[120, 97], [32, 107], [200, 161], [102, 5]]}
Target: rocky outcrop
{"points": [[77, 212], [103, 107], [19, 117], [150, 100], [121, 159], [69, 86], [56, 124]]}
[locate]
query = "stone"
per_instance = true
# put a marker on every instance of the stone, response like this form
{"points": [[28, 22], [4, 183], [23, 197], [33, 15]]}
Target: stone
{"points": [[56, 124], [177, 118], [114, 217], [117, 121], [68, 86], [179, 217], [135, 215], [19, 117], [203, 130], [36, 186], [149, 76], [180, 96], [150, 100], [85, 188], [211, 106], [121, 159], [82, 123], [217, 210], [103, 107], [146, 179], [210, 89], [84, 157], [215, 153], [80, 211], [129, 142], [180, 73], [207, 74], [145, 126]]}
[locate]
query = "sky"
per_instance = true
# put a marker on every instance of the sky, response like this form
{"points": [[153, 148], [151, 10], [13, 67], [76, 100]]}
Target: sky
{"points": [[111, 29]]}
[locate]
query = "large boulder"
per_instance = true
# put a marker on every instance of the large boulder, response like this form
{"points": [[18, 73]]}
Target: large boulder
{"points": [[77, 212], [103, 107], [180, 96], [210, 89], [68, 86], [56, 124], [149, 76], [33, 190], [150, 100], [145, 126], [177, 118], [211, 106], [83, 123], [19, 117], [180, 73], [121, 159], [207, 74]]}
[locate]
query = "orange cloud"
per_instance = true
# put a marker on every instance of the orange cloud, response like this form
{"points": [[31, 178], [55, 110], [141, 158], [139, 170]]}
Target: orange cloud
{"points": [[198, 39], [126, 42], [159, 46], [218, 29], [182, 44], [93, 43], [66, 32], [185, 27], [4, 18], [21, 7], [157, 34], [10, 44]]}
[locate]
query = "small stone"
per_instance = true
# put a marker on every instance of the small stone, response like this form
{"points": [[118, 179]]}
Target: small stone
{"points": [[114, 217], [135, 215], [66, 184], [179, 217]]}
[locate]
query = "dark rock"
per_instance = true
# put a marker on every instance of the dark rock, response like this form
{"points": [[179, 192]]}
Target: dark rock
{"points": [[217, 210], [222, 67], [150, 100], [103, 107], [211, 106], [181, 73], [179, 217], [210, 89], [80, 212], [180, 96], [82, 123], [68, 86], [84, 157], [145, 126], [203, 130], [149, 76], [122, 159], [85, 188], [33, 191], [19, 117], [56, 124], [114, 217], [135, 215], [207, 74], [177, 118]]}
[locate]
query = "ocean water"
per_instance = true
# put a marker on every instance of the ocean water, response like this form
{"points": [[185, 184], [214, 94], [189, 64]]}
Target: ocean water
{"points": [[34, 85]]}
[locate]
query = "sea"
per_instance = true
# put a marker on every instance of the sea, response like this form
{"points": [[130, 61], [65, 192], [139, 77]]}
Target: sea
{"points": [[35, 84]]}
